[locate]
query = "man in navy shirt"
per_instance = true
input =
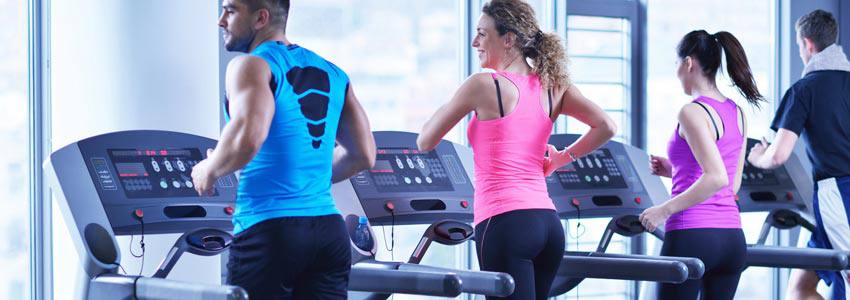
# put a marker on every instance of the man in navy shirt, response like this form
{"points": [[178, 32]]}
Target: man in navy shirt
{"points": [[293, 127], [817, 108]]}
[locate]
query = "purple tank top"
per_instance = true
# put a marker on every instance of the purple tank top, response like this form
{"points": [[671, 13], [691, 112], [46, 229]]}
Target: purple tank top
{"points": [[719, 210]]}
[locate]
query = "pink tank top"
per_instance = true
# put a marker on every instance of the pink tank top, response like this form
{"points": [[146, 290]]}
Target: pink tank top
{"points": [[508, 154], [719, 210]]}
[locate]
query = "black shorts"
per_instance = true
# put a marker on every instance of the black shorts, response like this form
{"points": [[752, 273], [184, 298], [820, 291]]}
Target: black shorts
{"points": [[292, 258]]}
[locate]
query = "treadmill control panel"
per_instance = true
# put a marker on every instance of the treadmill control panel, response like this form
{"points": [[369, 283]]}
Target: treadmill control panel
{"points": [[408, 186], [408, 170], [595, 170], [766, 190], [147, 175], [610, 181], [753, 176]]}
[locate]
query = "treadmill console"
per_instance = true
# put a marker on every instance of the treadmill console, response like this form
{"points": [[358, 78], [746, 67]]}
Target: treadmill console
{"points": [[784, 187], [595, 170], [610, 181], [408, 186], [145, 176]]}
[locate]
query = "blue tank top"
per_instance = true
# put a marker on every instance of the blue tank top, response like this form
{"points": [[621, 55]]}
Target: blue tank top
{"points": [[291, 174]]}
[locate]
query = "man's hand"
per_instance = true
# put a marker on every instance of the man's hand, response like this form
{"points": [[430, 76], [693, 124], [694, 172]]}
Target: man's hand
{"points": [[204, 177], [756, 153]]}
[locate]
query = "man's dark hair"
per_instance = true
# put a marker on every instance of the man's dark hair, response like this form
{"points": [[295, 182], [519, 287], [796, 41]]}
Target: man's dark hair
{"points": [[278, 10], [820, 27]]}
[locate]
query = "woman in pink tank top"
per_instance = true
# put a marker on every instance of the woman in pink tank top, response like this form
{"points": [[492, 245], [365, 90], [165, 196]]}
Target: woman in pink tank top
{"points": [[515, 108], [706, 154]]}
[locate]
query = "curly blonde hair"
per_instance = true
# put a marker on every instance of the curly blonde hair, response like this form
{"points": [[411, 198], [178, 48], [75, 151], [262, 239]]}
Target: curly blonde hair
{"points": [[548, 56]]}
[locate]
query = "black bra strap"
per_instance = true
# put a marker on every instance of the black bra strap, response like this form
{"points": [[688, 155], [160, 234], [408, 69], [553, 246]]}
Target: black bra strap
{"points": [[550, 102], [716, 131], [499, 97]]}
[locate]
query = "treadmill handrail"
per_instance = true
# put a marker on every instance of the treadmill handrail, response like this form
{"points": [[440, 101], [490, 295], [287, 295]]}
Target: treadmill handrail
{"points": [[494, 284], [114, 286], [384, 282], [796, 258], [576, 266], [696, 268]]}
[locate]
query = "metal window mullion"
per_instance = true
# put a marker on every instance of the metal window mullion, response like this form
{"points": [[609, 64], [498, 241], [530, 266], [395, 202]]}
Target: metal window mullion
{"points": [[40, 231]]}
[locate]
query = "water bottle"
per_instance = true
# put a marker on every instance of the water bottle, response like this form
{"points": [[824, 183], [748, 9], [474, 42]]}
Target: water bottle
{"points": [[362, 237]]}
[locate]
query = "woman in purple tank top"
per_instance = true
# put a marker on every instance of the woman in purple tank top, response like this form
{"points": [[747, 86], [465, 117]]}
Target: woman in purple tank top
{"points": [[516, 228], [706, 154]]}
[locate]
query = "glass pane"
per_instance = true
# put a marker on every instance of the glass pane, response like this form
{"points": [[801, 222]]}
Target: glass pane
{"points": [[595, 69], [401, 75], [603, 43], [599, 51], [752, 22], [607, 96], [14, 170], [597, 23]]}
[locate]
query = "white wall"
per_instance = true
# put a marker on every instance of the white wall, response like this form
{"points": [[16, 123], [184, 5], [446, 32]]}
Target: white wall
{"points": [[127, 64]]}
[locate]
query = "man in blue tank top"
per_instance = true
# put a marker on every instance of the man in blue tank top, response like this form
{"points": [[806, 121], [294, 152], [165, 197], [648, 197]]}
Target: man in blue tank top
{"points": [[293, 127], [816, 108]]}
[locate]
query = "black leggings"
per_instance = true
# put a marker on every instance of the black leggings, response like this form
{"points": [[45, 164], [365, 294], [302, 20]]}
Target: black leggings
{"points": [[527, 244], [724, 253]]}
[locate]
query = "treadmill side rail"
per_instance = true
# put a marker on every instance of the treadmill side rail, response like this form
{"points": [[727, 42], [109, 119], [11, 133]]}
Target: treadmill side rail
{"points": [[389, 281], [796, 258], [146, 288], [476, 282]]}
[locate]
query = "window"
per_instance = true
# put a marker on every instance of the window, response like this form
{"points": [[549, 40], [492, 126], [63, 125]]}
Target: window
{"points": [[752, 22], [403, 59], [14, 175], [401, 73], [599, 50]]}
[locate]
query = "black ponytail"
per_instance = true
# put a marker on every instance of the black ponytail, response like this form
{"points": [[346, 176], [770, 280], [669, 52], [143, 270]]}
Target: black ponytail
{"points": [[706, 48]]}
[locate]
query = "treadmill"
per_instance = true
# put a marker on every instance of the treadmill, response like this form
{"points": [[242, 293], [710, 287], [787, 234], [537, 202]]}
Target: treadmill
{"points": [[407, 186], [784, 193], [612, 181], [138, 182]]}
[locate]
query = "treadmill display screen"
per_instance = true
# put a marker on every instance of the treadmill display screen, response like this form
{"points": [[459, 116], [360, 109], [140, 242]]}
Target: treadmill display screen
{"points": [[595, 170], [755, 176], [409, 170], [147, 173]]}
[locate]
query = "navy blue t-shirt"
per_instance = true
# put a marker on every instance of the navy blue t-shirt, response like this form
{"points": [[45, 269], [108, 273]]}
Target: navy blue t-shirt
{"points": [[817, 109]]}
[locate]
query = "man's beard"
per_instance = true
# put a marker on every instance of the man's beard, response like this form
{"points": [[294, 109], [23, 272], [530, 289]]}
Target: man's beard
{"points": [[240, 44]]}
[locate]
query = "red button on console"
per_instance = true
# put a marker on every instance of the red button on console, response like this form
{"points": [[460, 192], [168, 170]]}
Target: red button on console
{"points": [[637, 200], [464, 204], [228, 210], [389, 206], [139, 213], [789, 196], [575, 202]]}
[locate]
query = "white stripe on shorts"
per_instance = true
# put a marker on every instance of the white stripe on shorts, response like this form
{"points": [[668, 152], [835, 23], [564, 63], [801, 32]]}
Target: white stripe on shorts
{"points": [[835, 222]]}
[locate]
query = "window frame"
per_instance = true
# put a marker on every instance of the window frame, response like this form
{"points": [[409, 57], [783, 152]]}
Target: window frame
{"points": [[38, 135], [635, 12]]}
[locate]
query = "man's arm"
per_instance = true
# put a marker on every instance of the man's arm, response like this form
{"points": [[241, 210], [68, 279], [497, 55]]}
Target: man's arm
{"points": [[773, 156], [791, 117], [355, 149], [251, 112]]}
